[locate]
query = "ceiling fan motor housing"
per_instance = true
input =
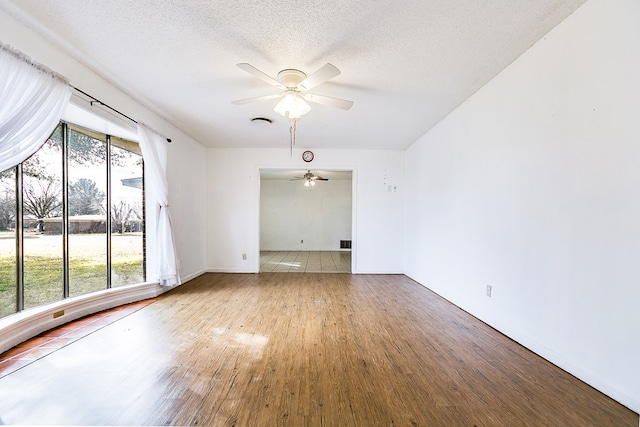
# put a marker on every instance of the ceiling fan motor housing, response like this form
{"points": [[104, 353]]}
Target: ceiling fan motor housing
{"points": [[290, 77]]}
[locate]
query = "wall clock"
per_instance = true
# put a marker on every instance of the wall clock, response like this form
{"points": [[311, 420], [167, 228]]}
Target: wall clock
{"points": [[307, 156]]}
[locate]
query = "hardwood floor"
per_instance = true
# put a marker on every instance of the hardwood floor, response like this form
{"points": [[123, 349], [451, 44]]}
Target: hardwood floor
{"points": [[300, 349]]}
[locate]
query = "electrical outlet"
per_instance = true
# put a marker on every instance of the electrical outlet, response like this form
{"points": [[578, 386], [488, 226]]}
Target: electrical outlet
{"points": [[489, 291], [301, 241], [244, 257]]}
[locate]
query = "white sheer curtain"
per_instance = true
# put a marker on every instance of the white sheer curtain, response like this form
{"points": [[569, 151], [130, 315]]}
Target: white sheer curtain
{"points": [[154, 154], [32, 100]]}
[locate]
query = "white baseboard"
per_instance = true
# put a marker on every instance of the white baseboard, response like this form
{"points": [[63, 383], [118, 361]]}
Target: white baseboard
{"points": [[192, 276], [19, 327], [557, 359], [229, 270], [560, 361], [373, 273], [232, 270]]}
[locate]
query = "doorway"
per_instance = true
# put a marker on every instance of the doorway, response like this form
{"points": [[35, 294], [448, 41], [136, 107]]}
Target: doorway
{"points": [[306, 226]]}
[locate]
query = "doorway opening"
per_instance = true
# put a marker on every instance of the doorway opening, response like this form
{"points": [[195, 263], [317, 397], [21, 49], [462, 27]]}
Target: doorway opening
{"points": [[306, 221]]}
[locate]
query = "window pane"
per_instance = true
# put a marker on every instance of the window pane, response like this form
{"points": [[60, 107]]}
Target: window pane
{"points": [[126, 217], [42, 210], [7, 242], [87, 214]]}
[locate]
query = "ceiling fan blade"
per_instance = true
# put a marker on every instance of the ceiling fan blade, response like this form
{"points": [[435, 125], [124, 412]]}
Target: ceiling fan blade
{"points": [[328, 100], [257, 98], [325, 73], [321, 179], [259, 74]]}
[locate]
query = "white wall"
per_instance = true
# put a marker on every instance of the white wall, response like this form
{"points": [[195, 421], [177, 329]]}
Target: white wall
{"points": [[234, 205], [186, 191], [532, 186], [298, 218], [187, 197]]}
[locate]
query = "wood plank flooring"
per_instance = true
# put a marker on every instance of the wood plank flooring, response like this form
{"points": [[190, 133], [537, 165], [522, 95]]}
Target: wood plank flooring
{"points": [[282, 349]]}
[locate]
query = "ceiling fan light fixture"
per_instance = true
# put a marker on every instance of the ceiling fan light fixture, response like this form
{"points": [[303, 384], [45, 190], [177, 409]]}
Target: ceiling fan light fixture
{"points": [[292, 105]]}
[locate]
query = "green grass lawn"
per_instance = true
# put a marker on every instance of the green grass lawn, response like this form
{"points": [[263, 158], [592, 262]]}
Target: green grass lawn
{"points": [[87, 267], [7, 286]]}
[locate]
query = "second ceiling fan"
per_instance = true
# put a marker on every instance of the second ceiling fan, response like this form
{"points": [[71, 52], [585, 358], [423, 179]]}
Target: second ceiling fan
{"points": [[309, 179], [294, 85]]}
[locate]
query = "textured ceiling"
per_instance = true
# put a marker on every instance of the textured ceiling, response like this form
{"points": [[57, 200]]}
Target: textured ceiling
{"points": [[288, 174], [406, 65]]}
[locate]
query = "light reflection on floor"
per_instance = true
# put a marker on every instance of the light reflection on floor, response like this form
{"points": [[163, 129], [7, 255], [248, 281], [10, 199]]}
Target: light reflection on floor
{"points": [[92, 372], [305, 261]]}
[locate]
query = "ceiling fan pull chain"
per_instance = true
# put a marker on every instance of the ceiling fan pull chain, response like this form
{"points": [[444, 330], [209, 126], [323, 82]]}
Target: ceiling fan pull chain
{"points": [[295, 126], [292, 136], [291, 140]]}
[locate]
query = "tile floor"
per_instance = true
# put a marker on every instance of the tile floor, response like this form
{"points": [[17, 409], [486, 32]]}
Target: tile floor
{"points": [[54, 339], [305, 261]]}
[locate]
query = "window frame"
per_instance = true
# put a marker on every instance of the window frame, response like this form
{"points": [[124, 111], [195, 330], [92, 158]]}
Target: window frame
{"points": [[18, 176]]}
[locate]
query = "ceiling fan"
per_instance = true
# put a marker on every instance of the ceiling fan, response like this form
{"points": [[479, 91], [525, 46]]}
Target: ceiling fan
{"points": [[294, 85], [309, 179]]}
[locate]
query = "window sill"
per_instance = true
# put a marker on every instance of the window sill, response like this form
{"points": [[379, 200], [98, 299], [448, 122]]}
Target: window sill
{"points": [[19, 327]]}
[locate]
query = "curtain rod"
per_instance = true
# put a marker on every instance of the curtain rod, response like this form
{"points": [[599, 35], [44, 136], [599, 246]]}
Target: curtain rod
{"points": [[96, 100]]}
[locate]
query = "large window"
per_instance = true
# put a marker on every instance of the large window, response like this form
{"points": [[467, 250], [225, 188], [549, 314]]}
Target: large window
{"points": [[7, 243], [42, 266], [71, 219]]}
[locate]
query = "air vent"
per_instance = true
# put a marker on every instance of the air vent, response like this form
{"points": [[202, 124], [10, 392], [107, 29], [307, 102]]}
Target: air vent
{"points": [[345, 244], [261, 121]]}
